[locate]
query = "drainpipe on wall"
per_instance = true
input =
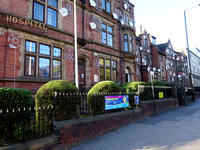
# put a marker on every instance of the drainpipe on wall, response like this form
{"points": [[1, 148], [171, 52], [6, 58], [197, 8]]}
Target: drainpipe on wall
{"points": [[120, 48]]}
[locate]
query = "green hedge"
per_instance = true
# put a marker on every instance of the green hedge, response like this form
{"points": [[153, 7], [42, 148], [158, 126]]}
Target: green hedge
{"points": [[13, 99], [145, 92], [132, 86], [45, 97], [96, 95], [157, 83], [45, 94]]}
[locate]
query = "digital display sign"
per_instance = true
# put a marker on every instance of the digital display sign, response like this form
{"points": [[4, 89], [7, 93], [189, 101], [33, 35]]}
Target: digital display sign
{"points": [[115, 102]]}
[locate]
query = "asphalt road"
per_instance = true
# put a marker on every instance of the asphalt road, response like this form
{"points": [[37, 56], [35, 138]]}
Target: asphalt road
{"points": [[177, 129]]}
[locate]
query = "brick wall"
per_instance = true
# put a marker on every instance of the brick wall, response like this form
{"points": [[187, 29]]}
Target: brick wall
{"points": [[71, 133]]}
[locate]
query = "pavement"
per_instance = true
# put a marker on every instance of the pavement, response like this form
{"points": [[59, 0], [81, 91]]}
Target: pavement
{"points": [[177, 129]]}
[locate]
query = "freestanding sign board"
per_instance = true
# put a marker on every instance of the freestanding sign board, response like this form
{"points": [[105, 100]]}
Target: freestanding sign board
{"points": [[116, 101]]}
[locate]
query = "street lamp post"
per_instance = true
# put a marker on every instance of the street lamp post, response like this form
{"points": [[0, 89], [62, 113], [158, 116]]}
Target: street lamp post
{"points": [[188, 48]]}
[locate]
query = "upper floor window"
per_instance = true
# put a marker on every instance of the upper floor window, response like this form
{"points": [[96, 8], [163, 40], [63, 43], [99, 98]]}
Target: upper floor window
{"points": [[46, 11], [145, 42], [42, 60], [128, 43], [106, 5], [107, 35], [126, 18]]}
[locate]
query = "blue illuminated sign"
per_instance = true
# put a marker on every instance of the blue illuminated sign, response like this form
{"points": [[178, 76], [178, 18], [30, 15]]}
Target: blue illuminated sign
{"points": [[118, 101]]}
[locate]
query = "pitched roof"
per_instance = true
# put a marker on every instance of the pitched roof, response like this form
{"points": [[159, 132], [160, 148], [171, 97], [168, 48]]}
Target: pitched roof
{"points": [[162, 48]]}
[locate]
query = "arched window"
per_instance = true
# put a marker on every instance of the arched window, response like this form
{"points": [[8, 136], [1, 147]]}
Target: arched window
{"points": [[127, 75]]}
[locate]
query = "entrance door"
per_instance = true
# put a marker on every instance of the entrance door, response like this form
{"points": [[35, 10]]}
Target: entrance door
{"points": [[81, 72]]}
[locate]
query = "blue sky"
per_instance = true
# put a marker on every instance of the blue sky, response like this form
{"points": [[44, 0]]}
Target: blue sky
{"points": [[164, 19]]}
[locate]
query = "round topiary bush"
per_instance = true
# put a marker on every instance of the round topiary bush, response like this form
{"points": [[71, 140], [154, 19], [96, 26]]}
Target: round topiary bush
{"points": [[96, 95], [130, 87], [13, 102], [45, 97], [45, 94]]}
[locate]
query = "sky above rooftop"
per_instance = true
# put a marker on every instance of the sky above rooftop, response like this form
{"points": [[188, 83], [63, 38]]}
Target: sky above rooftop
{"points": [[164, 19]]}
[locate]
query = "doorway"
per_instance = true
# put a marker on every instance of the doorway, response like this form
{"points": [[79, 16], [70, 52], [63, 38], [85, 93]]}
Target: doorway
{"points": [[81, 72]]}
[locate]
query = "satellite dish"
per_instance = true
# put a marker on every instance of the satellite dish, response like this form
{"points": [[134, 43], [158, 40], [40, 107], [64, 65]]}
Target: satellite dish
{"points": [[177, 58], [64, 12], [93, 25], [115, 15], [159, 70], [93, 3], [174, 74], [125, 6], [179, 76], [148, 68]]}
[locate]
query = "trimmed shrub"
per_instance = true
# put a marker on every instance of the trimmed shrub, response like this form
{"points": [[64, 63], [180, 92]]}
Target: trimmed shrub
{"points": [[130, 87], [157, 83], [11, 101], [95, 97], [45, 97], [145, 92]]}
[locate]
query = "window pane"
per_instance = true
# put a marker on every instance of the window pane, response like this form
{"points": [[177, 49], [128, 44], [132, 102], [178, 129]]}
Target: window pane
{"points": [[44, 49], [102, 74], [53, 3], [30, 46], [110, 29], [103, 37], [108, 75], [103, 4], [52, 17], [103, 26], [131, 47], [114, 64], [101, 61], [125, 37], [126, 46], [56, 69], [110, 39], [108, 8], [56, 52], [114, 75], [107, 62], [44, 67], [38, 12], [30, 66]]}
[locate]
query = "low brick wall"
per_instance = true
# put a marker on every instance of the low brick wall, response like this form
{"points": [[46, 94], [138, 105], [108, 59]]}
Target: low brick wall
{"points": [[161, 105], [70, 133]]}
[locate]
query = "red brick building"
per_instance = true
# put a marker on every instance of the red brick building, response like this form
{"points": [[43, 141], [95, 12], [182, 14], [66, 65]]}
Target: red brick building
{"points": [[37, 42], [145, 56]]}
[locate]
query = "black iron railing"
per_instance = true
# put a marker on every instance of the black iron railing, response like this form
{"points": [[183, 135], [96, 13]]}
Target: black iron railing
{"points": [[23, 124]]}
